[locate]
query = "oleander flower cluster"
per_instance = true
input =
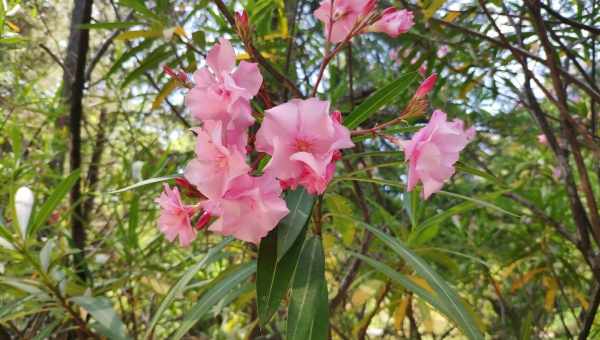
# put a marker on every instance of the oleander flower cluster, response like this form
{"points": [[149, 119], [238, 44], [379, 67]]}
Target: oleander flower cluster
{"points": [[243, 164], [301, 137], [343, 19]]}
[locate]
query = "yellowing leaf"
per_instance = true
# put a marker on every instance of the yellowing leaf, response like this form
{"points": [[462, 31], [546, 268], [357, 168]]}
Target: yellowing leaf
{"points": [[400, 312], [13, 26], [552, 288], [164, 93], [139, 34], [157, 286], [328, 241], [523, 280], [340, 205], [421, 282], [451, 16], [433, 7], [470, 85], [365, 291], [246, 56], [180, 32], [583, 301]]}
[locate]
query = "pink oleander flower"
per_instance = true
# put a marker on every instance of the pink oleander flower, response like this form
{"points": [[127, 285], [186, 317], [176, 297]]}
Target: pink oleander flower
{"points": [[175, 217], [346, 13], [443, 51], [422, 69], [433, 150], [304, 141], [222, 91], [542, 139], [393, 22], [249, 209], [215, 164]]}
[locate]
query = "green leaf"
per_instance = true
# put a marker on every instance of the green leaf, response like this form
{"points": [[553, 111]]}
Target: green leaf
{"points": [[452, 302], [300, 204], [144, 183], [221, 287], [47, 331], [108, 322], [423, 235], [446, 214], [273, 275], [404, 281], [480, 201], [28, 286], [134, 216], [320, 327], [307, 289], [379, 99], [199, 39], [52, 202], [476, 172], [340, 205], [111, 25], [140, 7], [130, 53], [180, 286], [154, 59]]}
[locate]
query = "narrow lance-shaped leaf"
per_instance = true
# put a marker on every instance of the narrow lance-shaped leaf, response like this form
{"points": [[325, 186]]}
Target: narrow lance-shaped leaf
{"points": [[144, 183], [108, 322], [379, 99], [273, 275], [452, 302], [307, 290], [52, 202], [213, 295], [300, 204], [183, 282]]}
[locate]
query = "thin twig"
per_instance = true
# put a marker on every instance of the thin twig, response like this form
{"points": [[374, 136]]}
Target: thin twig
{"points": [[53, 56]]}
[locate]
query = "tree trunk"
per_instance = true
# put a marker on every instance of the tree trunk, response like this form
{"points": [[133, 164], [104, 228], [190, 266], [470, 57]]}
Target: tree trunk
{"points": [[73, 86]]}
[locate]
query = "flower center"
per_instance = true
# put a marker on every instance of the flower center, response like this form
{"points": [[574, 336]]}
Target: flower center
{"points": [[221, 161], [303, 145], [220, 91]]}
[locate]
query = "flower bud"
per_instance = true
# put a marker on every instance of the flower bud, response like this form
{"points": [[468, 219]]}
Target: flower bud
{"points": [[136, 170], [203, 220], [23, 206], [427, 85], [242, 23]]}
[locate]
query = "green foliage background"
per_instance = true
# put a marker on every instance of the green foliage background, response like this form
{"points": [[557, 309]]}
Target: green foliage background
{"points": [[491, 236]]}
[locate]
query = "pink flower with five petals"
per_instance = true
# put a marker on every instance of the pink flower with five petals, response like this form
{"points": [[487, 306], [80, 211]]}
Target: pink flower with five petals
{"points": [[222, 91], [251, 207], [175, 217], [215, 165], [304, 141], [433, 150]]}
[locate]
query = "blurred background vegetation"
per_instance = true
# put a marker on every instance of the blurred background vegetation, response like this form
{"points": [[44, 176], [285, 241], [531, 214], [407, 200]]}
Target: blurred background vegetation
{"points": [[85, 109]]}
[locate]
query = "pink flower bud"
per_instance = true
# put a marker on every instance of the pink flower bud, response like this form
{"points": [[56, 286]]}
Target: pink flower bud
{"points": [[542, 139], [337, 116], [241, 21], [203, 221], [426, 86]]}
